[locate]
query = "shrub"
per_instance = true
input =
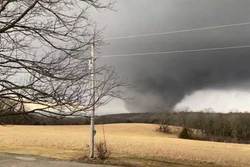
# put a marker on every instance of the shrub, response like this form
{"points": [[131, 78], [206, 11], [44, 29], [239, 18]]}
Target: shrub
{"points": [[163, 127], [102, 150], [185, 134]]}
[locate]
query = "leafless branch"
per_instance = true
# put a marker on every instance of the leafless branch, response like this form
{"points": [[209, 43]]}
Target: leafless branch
{"points": [[44, 54]]}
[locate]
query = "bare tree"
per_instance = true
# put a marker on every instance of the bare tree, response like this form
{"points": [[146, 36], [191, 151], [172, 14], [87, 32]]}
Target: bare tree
{"points": [[44, 54]]}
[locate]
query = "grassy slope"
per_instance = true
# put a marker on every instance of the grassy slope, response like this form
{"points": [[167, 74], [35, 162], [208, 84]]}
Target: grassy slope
{"points": [[130, 144]]}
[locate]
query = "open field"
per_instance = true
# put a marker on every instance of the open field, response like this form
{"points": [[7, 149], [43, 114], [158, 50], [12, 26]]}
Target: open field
{"points": [[133, 144]]}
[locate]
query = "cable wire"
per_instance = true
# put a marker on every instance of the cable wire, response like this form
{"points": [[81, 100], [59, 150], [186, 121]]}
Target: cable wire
{"points": [[176, 31], [175, 51]]}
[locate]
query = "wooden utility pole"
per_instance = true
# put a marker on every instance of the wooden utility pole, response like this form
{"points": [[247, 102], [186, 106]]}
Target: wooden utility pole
{"points": [[92, 117]]}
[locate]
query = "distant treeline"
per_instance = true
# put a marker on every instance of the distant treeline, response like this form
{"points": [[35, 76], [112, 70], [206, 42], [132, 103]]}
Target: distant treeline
{"points": [[233, 127], [33, 119]]}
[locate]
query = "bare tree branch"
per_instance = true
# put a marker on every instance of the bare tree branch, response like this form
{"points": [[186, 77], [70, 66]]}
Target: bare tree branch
{"points": [[44, 54]]}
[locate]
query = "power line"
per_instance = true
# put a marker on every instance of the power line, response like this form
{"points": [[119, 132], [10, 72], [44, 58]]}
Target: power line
{"points": [[176, 31], [176, 51]]}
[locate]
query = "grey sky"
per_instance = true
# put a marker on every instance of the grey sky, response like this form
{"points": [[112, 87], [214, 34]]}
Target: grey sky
{"points": [[160, 82]]}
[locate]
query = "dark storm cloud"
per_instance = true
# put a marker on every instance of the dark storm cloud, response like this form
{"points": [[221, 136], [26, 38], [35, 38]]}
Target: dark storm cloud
{"points": [[161, 81]]}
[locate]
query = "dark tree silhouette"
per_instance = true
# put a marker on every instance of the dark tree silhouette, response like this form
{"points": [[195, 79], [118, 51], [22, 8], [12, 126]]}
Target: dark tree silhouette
{"points": [[44, 54]]}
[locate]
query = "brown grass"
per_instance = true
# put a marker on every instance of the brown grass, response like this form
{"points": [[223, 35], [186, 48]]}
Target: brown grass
{"points": [[135, 143]]}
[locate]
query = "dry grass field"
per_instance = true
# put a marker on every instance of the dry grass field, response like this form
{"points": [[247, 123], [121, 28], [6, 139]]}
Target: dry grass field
{"points": [[137, 144]]}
